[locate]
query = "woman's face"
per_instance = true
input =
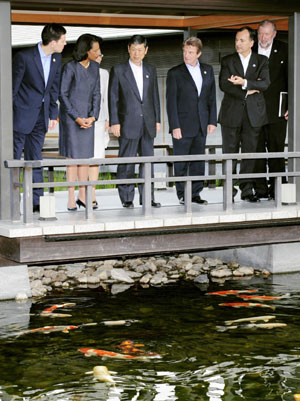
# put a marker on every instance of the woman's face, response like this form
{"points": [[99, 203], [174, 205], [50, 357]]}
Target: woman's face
{"points": [[94, 52]]}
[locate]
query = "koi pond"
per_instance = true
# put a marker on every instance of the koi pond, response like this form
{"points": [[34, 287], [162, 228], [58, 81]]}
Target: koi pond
{"points": [[160, 344]]}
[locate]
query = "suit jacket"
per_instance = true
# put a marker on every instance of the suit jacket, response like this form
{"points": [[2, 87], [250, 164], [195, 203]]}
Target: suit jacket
{"points": [[125, 104], [187, 110], [235, 99], [278, 67], [29, 89]]}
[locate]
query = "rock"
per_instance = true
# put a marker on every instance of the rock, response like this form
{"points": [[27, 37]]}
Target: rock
{"points": [[146, 278], [159, 262], [35, 272], [93, 279], [213, 262], [60, 277], [265, 272], [103, 275], [82, 278], [243, 271], [57, 284], [220, 273], [150, 266], [202, 279], [21, 297], [197, 267], [233, 265], [134, 275], [157, 279], [46, 280], [117, 288], [121, 275], [193, 273], [186, 265], [110, 263], [197, 259]]}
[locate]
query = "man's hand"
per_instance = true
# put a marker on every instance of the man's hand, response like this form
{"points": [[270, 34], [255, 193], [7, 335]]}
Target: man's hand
{"points": [[235, 80], [211, 128], [157, 127], [286, 115], [52, 124], [252, 91], [116, 129], [177, 133]]}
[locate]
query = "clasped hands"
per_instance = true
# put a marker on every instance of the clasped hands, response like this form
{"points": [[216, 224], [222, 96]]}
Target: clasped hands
{"points": [[236, 80], [85, 123]]}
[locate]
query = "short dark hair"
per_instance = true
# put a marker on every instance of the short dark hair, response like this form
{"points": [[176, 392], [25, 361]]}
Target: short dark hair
{"points": [[137, 40], [249, 29], [83, 44], [52, 32]]}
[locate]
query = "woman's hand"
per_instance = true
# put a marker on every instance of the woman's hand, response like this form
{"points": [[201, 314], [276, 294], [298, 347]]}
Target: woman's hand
{"points": [[85, 123]]}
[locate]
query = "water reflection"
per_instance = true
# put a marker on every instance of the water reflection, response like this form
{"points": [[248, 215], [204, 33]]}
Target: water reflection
{"points": [[178, 322]]}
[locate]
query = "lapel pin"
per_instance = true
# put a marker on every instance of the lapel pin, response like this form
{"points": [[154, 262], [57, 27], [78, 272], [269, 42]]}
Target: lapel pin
{"points": [[254, 65], [275, 50], [281, 62], [204, 72], [147, 76], [54, 60]]}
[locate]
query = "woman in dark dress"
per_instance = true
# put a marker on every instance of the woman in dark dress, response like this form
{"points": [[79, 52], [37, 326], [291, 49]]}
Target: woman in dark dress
{"points": [[79, 109]]}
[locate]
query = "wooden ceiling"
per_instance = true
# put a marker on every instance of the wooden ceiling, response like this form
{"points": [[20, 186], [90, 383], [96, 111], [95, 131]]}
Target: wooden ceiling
{"points": [[177, 14]]}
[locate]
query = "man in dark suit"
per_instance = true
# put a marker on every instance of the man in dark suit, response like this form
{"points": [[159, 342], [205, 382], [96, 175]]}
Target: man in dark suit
{"points": [[134, 113], [243, 77], [273, 134], [36, 77], [192, 113]]}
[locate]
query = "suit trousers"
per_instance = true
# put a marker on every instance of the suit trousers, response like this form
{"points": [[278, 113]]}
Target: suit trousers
{"points": [[143, 146], [32, 144], [245, 138], [272, 139], [194, 145]]}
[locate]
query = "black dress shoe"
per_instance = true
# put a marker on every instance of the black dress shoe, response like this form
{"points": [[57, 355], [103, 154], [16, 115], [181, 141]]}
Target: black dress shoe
{"points": [[128, 205], [95, 205], [251, 198], [36, 208], [262, 196], [72, 209], [197, 199], [155, 204]]}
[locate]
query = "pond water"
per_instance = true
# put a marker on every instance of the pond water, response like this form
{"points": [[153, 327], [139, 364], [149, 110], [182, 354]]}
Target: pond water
{"points": [[201, 358]]}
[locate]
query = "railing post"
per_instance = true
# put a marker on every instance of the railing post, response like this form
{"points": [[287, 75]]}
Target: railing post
{"points": [[212, 168], [188, 196], [278, 192], [27, 195], [88, 202], [15, 214], [227, 190], [147, 196]]}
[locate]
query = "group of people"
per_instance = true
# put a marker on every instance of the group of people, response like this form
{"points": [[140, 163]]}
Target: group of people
{"points": [[126, 103]]}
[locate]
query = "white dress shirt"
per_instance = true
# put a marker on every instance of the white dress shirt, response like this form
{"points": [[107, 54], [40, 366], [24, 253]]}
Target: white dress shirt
{"points": [[245, 63], [138, 76], [265, 52], [196, 75]]}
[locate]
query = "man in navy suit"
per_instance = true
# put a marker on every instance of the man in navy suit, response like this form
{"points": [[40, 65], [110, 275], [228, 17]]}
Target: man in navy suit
{"points": [[273, 134], [192, 113], [243, 77], [134, 112], [36, 78]]}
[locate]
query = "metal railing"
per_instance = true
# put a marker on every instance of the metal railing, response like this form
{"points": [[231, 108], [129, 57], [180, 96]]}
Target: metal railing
{"points": [[226, 176]]}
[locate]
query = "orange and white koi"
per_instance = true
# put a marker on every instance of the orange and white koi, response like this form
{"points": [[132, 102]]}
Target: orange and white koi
{"points": [[246, 305], [49, 310], [267, 326], [229, 292], [53, 329], [127, 322], [262, 297], [98, 352]]}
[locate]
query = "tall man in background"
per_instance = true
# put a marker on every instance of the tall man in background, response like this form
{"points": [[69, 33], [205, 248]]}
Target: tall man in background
{"points": [[243, 77], [273, 134], [134, 113], [192, 113], [36, 78]]}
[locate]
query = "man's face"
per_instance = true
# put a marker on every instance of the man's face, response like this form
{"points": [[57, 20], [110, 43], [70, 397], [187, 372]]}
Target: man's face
{"points": [[58, 45], [266, 34], [191, 55], [137, 52], [94, 52], [243, 43]]}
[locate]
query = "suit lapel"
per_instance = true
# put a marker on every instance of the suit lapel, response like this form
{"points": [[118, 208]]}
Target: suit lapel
{"points": [[252, 66], [238, 65], [146, 80], [37, 60], [52, 69], [132, 82], [189, 77]]}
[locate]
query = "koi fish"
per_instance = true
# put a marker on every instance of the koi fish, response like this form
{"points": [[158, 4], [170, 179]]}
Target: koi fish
{"points": [[53, 329], [98, 352], [250, 319], [54, 315], [102, 374], [119, 322], [297, 397], [229, 292], [49, 310], [259, 326], [262, 297], [247, 305]]}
